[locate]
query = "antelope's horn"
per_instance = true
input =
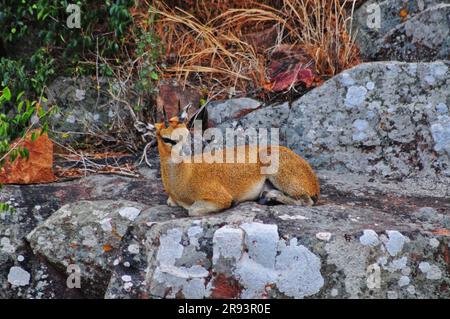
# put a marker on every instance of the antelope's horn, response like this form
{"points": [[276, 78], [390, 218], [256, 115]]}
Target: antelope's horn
{"points": [[166, 121]]}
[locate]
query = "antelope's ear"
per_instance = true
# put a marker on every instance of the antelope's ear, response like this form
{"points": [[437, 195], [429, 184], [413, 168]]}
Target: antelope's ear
{"points": [[182, 116]]}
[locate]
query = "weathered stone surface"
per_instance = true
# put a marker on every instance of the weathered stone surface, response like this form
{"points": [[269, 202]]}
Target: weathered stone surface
{"points": [[222, 111], [82, 109], [85, 234], [35, 203], [407, 30], [269, 117], [361, 227], [365, 239], [386, 119]]}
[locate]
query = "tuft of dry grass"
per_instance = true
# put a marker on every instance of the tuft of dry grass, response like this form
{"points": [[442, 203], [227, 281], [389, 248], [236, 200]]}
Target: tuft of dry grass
{"points": [[226, 45]]}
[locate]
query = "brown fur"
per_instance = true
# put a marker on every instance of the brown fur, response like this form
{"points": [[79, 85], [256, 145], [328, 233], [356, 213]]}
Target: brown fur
{"points": [[210, 187]]}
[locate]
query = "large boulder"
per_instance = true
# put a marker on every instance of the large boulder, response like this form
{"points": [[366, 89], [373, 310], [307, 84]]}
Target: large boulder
{"points": [[407, 30], [385, 119], [33, 205], [364, 240], [84, 108], [86, 235]]}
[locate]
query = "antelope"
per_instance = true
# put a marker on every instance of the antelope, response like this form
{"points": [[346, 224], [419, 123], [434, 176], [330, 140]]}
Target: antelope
{"points": [[203, 187]]}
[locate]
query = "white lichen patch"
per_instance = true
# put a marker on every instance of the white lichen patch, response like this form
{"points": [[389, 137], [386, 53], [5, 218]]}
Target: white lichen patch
{"points": [[403, 281], [392, 294], [6, 246], [190, 281], [133, 249], [324, 236], [261, 241], [18, 276], [194, 233], [292, 217], [227, 243], [170, 248], [395, 243], [295, 272], [397, 264], [369, 238], [434, 242], [129, 212], [355, 96], [298, 270], [106, 224], [432, 272]]}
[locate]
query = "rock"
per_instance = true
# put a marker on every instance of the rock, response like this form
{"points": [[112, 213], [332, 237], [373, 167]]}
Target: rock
{"points": [[82, 109], [85, 234], [273, 117], [407, 31], [385, 119], [250, 252], [253, 251], [35, 203], [232, 109]]}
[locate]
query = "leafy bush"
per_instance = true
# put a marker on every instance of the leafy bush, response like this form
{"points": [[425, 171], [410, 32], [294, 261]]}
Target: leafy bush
{"points": [[30, 75], [106, 22]]}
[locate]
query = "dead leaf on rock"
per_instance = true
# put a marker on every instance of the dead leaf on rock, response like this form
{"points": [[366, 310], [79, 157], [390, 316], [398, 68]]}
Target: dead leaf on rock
{"points": [[38, 168], [289, 66]]}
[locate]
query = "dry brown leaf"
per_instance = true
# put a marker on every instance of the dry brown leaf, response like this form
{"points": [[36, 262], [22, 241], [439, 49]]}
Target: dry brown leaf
{"points": [[38, 168], [172, 97], [441, 231]]}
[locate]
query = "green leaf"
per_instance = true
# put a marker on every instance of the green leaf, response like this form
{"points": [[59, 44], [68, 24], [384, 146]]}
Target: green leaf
{"points": [[6, 95], [19, 96], [44, 129], [13, 155], [154, 75]]}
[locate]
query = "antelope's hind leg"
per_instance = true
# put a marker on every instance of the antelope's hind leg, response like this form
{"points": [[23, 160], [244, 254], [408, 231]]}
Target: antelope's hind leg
{"points": [[274, 196]]}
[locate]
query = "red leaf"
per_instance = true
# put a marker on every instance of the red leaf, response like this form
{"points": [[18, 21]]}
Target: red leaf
{"points": [[289, 67]]}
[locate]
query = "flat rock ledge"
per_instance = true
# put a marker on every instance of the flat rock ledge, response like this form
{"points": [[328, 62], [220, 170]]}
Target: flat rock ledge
{"points": [[365, 239]]}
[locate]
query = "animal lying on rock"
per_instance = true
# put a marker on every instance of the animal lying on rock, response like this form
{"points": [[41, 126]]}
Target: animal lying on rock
{"points": [[204, 187]]}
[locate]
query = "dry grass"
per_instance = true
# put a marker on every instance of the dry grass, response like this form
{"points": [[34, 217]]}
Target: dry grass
{"points": [[225, 45]]}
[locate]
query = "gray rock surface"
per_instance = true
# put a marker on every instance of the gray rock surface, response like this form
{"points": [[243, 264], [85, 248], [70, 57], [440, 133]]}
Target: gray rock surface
{"points": [[34, 204], [82, 110], [353, 245], [422, 34], [385, 119], [222, 111], [86, 234], [366, 238], [272, 116]]}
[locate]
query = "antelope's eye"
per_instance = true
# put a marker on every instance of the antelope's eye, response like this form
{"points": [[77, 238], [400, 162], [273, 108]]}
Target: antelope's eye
{"points": [[168, 140]]}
